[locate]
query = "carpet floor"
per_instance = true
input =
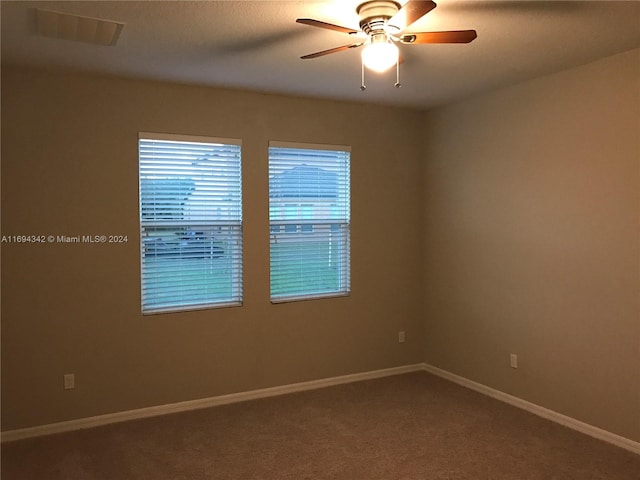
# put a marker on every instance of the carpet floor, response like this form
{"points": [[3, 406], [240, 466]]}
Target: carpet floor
{"points": [[407, 427]]}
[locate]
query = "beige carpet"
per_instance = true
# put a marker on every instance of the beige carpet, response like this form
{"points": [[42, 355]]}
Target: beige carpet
{"points": [[407, 427]]}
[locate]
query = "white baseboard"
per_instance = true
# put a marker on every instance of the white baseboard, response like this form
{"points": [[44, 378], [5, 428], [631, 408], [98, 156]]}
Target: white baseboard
{"points": [[89, 422], [556, 417], [99, 420]]}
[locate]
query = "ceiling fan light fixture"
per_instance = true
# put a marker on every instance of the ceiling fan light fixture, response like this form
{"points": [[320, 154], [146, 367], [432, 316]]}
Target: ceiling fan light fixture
{"points": [[384, 23], [380, 55]]}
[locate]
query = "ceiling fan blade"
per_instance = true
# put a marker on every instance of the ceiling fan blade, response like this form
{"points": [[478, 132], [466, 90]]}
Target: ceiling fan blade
{"points": [[412, 11], [332, 50], [329, 26], [453, 36]]}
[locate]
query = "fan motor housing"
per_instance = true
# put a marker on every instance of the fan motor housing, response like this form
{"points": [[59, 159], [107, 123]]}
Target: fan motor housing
{"points": [[375, 14]]}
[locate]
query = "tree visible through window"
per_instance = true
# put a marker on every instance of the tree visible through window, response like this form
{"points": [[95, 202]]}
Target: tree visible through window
{"points": [[190, 222], [309, 215]]}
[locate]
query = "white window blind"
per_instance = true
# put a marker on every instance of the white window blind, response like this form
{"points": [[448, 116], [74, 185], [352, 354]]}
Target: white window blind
{"points": [[190, 222], [309, 216]]}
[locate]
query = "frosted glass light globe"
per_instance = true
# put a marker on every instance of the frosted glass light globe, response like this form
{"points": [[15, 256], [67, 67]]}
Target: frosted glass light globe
{"points": [[380, 56]]}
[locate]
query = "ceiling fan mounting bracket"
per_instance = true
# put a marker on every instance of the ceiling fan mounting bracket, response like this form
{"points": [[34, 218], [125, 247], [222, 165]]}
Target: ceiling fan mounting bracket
{"points": [[375, 14]]}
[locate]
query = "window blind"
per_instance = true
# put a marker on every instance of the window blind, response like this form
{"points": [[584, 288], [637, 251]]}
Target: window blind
{"points": [[309, 216], [190, 222]]}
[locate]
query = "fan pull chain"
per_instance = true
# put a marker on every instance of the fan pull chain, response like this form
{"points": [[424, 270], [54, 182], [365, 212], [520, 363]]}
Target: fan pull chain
{"points": [[363, 87]]}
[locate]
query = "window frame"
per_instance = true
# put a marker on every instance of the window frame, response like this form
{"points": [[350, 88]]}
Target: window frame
{"points": [[230, 224], [304, 226]]}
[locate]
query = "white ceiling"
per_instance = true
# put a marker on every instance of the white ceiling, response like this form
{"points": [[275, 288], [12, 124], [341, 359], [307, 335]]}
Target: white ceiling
{"points": [[256, 45]]}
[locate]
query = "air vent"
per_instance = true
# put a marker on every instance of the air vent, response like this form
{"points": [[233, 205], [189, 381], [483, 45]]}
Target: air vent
{"points": [[77, 28]]}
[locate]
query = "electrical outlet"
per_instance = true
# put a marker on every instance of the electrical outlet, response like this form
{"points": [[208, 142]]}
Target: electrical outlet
{"points": [[401, 337], [69, 381], [513, 360]]}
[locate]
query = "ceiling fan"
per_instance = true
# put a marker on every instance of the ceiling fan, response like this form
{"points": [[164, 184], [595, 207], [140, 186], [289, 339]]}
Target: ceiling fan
{"points": [[382, 26]]}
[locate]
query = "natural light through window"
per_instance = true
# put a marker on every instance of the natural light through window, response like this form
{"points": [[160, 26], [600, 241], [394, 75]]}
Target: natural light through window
{"points": [[309, 216], [190, 222]]}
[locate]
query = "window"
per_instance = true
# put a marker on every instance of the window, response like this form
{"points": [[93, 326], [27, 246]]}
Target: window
{"points": [[190, 222], [309, 205]]}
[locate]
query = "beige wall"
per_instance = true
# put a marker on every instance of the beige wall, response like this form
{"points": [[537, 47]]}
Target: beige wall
{"points": [[507, 223], [532, 241], [69, 167]]}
